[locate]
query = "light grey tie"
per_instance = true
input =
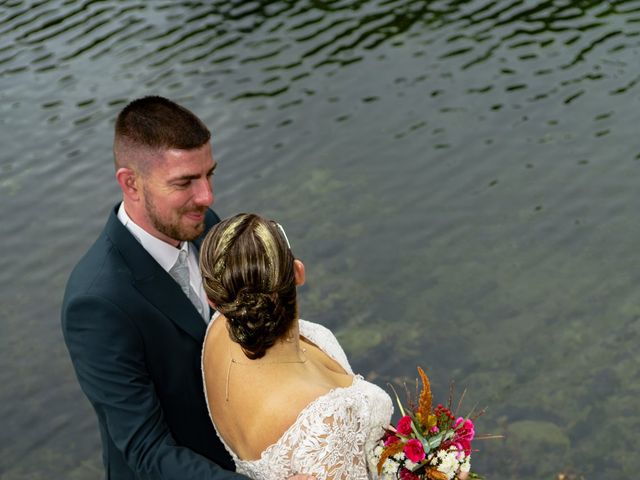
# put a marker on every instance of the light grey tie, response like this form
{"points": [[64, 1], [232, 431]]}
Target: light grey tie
{"points": [[180, 273]]}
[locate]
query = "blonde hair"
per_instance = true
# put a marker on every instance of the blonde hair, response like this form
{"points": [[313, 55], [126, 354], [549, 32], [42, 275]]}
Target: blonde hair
{"points": [[248, 273]]}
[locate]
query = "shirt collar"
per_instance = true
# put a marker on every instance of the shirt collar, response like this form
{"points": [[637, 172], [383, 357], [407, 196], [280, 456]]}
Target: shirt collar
{"points": [[163, 253]]}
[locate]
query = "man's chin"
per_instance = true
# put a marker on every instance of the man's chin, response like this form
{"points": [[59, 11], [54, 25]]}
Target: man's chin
{"points": [[194, 232]]}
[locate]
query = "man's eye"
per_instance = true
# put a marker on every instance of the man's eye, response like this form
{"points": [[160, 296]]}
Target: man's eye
{"points": [[183, 184]]}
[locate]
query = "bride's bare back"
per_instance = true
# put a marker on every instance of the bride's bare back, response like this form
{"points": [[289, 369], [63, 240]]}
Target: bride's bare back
{"points": [[253, 402]]}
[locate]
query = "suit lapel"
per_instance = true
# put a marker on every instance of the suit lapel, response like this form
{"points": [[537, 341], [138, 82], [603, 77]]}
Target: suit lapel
{"points": [[155, 284], [166, 295]]}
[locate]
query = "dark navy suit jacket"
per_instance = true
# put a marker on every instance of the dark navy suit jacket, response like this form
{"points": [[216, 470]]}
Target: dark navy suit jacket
{"points": [[135, 341]]}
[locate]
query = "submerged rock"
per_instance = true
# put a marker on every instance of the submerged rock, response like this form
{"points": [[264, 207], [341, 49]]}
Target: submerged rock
{"points": [[538, 435]]}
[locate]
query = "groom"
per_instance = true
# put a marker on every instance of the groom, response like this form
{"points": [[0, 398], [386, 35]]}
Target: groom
{"points": [[134, 313]]}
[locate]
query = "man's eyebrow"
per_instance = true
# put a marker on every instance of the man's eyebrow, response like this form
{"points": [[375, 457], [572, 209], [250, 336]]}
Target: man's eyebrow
{"points": [[193, 177]]}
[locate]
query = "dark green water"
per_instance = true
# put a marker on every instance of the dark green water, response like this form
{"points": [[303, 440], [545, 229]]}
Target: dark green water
{"points": [[460, 179]]}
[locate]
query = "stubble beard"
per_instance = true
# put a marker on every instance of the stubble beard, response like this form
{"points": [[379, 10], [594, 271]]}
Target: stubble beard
{"points": [[173, 229]]}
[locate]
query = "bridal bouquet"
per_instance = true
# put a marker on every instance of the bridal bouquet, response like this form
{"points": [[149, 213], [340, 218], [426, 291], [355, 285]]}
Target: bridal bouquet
{"points": [[427, 443]]}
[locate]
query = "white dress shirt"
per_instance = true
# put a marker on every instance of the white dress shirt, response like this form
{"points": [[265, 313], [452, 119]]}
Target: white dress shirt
{"points": [[166, 255]]}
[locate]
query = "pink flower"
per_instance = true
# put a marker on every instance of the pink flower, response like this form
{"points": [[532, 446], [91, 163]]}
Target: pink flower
{"points": [[464, 434], [390, 440], [407, 475], [414, 450], [434, 429], [404, 425]]}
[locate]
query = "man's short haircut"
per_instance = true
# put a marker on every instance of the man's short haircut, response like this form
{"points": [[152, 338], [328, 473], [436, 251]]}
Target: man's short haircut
{"points": [[155, 123]]}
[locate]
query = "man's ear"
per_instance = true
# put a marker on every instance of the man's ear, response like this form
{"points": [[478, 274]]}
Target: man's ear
{"points": [[129, 183], [298, 272]]}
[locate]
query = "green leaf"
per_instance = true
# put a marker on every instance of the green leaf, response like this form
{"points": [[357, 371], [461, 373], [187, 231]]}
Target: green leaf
{"points": [[424, 441], [398, 400], [436, 440]]}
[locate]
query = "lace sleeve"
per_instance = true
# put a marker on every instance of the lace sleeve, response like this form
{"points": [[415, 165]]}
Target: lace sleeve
{"points": [[326, 341], [330, 439]]}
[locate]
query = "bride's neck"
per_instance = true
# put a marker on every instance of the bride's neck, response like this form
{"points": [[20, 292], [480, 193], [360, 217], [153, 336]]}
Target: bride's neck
{"points": [[286, 349], [286, 346]]}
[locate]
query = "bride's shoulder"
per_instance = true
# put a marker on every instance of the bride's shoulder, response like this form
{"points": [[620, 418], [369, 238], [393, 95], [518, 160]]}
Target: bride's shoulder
{"points": [[215, 336], [217, 326], [324, 339], [308, 325], [318, 334]]}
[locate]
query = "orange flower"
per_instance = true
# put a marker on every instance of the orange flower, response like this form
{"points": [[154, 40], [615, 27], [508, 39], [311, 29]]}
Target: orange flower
{"points": [[426, 419], [435, 474]]}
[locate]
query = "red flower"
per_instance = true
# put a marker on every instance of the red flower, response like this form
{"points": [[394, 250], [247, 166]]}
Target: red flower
{"points": [[404, 425], [414, 450], [407, 475]]}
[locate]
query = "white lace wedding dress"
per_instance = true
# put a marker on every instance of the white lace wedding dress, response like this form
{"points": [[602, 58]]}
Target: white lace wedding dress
{"points": [[333, 436]]}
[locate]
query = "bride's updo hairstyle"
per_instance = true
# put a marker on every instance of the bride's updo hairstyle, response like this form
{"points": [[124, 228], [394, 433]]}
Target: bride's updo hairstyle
{"points": [[248, 273]]}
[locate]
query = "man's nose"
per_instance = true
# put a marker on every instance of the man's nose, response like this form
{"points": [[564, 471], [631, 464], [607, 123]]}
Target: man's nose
{"points": [[204, 194]]}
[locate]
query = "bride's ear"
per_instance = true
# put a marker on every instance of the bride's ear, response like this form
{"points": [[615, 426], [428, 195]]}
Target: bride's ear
{"points": [[211, 304], [298, 272]]}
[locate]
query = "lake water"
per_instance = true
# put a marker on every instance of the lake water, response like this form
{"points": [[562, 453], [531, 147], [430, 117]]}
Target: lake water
{"points": [[460, 178]]}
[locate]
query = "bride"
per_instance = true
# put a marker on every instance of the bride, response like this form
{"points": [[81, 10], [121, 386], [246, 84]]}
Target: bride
{"points": [[280, 391]]}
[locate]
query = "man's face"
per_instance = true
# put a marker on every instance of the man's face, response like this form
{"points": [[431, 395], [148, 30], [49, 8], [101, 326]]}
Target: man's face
{"points": [[177, 192]]}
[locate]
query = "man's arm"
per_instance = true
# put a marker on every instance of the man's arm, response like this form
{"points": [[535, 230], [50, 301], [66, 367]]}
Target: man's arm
{"points": [[107, 353]]}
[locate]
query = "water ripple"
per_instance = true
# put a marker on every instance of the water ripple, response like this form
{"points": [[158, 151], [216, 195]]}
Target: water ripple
{"points": [[314, 37], [480, 154]]}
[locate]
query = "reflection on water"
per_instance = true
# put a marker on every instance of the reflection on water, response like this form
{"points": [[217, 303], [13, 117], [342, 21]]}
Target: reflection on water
{"points": [[458, 176]]}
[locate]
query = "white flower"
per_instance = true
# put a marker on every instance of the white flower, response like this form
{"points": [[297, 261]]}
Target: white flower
{"points": [[449, 464], [465, 466], [390, 467]]}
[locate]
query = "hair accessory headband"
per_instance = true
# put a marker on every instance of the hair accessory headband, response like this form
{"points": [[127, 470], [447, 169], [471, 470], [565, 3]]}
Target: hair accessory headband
{"points": [[283, 234]]}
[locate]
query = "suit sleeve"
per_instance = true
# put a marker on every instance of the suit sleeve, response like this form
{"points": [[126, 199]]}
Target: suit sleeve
{"points": [[107, 353]]}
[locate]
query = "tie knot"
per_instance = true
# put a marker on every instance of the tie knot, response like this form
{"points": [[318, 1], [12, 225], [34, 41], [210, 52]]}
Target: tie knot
{"points": [[182, 256]]}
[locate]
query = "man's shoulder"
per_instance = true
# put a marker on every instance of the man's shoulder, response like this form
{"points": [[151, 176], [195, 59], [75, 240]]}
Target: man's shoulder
{"points": [[103, 267], [99, 266]]}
